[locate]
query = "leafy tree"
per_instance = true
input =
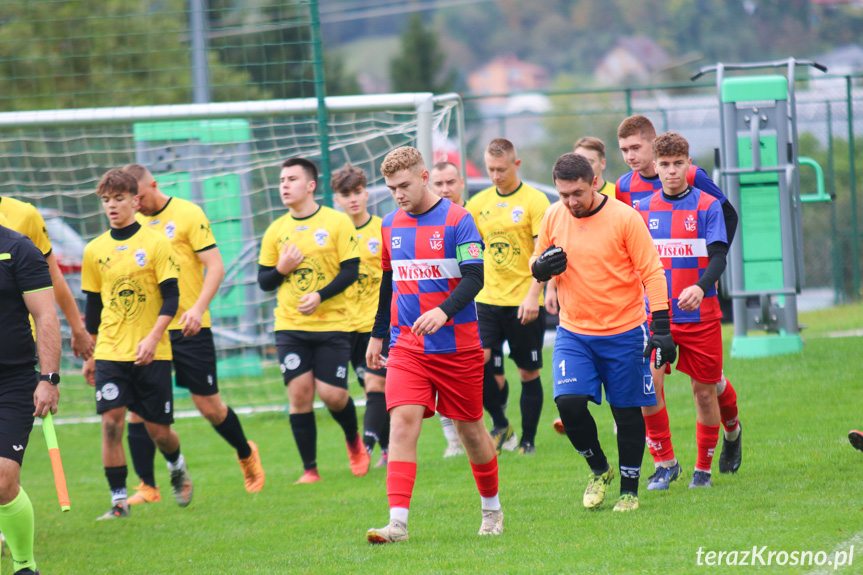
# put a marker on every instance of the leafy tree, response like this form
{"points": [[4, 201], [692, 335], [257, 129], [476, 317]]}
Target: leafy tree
{"points": [[80, 54], [419, 67], [275, 48]]}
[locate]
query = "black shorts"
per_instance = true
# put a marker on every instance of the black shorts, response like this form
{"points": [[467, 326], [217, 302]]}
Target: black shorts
{"points": [[500, 323], [16, 410], [195, 361], [359, 345], [325, 353], [144, 389]]}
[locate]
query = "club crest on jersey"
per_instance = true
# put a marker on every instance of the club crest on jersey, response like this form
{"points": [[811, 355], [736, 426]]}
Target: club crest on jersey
{"points": [[321, 236], [691, 223], [397, 242], [436, 241], [653, 224], [517, 214], [374, 246], [141, 257], [170, 230]]}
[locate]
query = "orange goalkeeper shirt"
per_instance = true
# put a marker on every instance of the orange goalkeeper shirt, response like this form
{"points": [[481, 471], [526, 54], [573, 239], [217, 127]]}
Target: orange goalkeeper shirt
{"points": [[607, 253]]}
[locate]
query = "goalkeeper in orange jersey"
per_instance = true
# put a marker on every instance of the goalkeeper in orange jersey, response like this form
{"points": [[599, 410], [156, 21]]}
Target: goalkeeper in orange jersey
{"points": [[603, 260]]}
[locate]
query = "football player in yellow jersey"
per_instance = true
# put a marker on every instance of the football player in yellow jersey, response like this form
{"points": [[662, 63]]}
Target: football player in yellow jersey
{"points": [[130, 278], [350, 193], [310, 256], [194, 352], [509, 307], [26, 219], [594, 150]]}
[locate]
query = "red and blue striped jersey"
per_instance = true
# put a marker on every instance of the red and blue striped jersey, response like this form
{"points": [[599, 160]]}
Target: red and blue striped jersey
{"points": [[424, 254], [631, 188], [682, 229]]}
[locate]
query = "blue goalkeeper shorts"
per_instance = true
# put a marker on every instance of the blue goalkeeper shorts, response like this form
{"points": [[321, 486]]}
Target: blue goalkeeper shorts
{"points": [[581, 363]]}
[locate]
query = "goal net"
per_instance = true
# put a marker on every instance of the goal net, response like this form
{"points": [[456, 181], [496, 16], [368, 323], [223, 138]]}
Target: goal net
{"points": [[227, 162]]}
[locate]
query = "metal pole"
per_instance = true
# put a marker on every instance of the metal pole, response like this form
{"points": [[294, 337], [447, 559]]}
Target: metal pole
{"points": [[838, 274], [321, 94], [200, 69], [425, 114], [855, 237]]}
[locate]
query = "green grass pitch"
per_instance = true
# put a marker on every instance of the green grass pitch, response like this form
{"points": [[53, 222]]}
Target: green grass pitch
{"points": [[799, 490]]}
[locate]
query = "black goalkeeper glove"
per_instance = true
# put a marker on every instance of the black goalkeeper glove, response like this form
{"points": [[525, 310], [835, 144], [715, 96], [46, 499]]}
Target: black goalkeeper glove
{"points": [[552, 262], [661, 340]]}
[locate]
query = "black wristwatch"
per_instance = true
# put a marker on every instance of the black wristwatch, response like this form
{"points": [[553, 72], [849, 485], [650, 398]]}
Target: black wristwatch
{"points": [[52, 378]]}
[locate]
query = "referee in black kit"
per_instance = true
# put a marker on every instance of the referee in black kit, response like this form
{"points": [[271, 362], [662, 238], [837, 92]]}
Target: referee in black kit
{"points": [[25, 289]]}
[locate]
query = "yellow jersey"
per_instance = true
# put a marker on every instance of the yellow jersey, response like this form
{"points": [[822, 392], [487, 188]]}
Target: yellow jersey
{"points": [[326, 239], [508, 225], [188, 230], [127, 274], [25, 219], [607, 189], [364, 293]]}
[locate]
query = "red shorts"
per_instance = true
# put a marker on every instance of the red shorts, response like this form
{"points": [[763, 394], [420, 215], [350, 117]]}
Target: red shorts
{"points": [[455, 378], [699, 350]]}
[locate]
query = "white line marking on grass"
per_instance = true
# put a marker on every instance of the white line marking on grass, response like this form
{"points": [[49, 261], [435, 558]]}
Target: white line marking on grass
{"points": [[856, 541], [846, 333]]}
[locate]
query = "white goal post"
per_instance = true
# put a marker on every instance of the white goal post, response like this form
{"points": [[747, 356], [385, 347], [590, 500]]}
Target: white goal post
{"points": [[224, 157]]}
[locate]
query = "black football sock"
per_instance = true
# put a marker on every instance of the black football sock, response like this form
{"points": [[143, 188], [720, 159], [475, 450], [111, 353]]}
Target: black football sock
{"points": [[630, 445], [172, 457], [232, 431], [504, 393], [374, 418], [347, 418], [531, 408], [491, 397], [117, 482], [306, 435], [385, 434], [580, 427], [143, 452]]}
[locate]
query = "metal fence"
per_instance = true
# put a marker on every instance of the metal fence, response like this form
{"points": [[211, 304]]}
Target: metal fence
{"points": [[829, 108]]}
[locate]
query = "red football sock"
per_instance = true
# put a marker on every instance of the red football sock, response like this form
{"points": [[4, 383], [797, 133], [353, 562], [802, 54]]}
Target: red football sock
{"points": [[659, 436], [728, 407], [486, 477], [706, 438], [401, 476]]}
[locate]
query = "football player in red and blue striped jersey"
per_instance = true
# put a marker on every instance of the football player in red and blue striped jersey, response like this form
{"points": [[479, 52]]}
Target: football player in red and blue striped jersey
{"points": [[688, 230], [433, 269], [635, 137]]}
